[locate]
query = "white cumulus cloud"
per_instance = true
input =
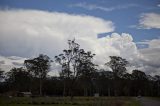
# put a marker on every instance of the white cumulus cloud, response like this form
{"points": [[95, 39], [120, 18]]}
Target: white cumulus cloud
{"points": [[150, 20], [28, 32], [151, 57]]}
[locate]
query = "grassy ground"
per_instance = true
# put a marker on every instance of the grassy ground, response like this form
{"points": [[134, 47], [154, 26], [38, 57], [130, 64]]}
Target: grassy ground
{"points": [[60, 101], [154, 98]]}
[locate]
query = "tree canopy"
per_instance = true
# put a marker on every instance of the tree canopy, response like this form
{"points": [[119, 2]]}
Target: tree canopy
{"points": [[78, 76], [118, 65]]}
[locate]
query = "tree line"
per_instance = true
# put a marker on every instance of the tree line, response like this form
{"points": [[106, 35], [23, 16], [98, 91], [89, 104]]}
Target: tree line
{"points": [[79, 76]]}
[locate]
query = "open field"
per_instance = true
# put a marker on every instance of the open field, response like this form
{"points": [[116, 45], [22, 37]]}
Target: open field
{"points": [[149, 101], [65, 101]]}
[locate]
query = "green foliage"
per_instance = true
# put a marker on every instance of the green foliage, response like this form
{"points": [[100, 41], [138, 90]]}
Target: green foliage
{"points": [[1, 74], [16, 78], [38, 66], [138, 75], [118, 65]]}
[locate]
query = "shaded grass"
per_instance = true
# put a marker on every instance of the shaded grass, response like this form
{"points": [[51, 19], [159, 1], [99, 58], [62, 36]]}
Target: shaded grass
{"points": [[132, 102], [154, 98], [65, 101]]}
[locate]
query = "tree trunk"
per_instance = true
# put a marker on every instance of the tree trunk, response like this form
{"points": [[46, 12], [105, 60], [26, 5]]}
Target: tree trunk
{"points": [[40, 87], [30, 85], [108, 91], [85, 92], [64, 89]]}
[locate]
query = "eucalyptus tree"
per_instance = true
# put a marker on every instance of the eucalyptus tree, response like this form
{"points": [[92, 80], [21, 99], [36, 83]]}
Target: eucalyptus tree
{"points": [[157, 82], [139, 82], [18, 79], [67, 61], [39, 67], [75, 62], [86, 69], [118, 66]]}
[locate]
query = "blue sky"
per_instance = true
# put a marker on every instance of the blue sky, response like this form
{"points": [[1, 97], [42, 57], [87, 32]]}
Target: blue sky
{"points": [[126, 13], [126, 28]]}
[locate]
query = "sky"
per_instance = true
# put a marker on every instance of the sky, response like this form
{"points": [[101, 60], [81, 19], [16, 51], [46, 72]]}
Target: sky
{"points": [[126, 28]]}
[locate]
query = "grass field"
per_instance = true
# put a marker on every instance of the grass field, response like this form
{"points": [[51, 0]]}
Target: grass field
{"points": [[154, 98], [65, 101]]}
